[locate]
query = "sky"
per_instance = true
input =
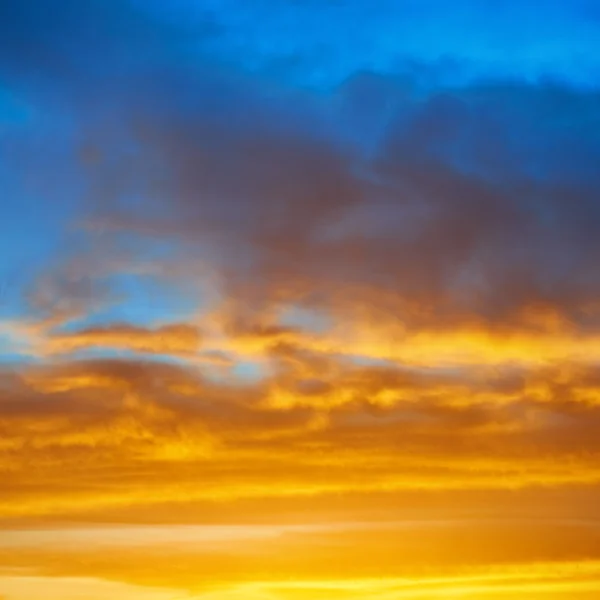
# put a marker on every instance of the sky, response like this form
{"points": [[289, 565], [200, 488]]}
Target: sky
{"points": [[299, 300]]}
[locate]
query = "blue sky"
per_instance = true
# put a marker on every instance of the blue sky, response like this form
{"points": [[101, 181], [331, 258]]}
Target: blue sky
{"points": [[323, 43], [108, 113]]}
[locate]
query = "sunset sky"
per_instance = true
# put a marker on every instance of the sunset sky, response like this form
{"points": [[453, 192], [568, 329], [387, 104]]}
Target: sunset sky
{"points": [[299, 300]]}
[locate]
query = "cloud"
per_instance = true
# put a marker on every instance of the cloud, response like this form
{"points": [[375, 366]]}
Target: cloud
{"points": [[143, 428], [171, 339], [277, 295], [457, 198], [211, 562], [460, 210]]}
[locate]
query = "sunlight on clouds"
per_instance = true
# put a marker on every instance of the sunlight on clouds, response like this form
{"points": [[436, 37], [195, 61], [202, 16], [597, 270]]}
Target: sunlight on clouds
{"points": [[295, 561], [284, 317], [168, 339], [578, 580], [73, 588]]}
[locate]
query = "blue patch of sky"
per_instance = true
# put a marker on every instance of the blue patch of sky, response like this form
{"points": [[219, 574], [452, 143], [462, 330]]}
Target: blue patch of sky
{"points": [[13, 352], [247, 371], [14, 111], [39, 189], [320, 44], [143, 301], [243, 372]]}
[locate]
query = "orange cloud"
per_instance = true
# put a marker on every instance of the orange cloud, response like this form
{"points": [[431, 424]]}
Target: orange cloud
{"points": [[90, 434], [412, 559], [177, 339]]}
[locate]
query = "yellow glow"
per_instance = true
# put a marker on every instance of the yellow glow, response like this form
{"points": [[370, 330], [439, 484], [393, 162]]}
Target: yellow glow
{"points": [[367, 416]]}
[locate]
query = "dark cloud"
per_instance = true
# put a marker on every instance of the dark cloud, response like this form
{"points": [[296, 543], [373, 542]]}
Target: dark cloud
{"points": [[463, 207], [480, 198]]}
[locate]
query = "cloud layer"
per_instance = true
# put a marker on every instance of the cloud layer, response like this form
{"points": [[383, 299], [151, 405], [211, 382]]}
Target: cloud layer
{"points": [[266, 268]]}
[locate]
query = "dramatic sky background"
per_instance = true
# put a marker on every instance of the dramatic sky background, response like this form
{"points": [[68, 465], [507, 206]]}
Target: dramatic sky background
{"points": [[299, 299]]}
